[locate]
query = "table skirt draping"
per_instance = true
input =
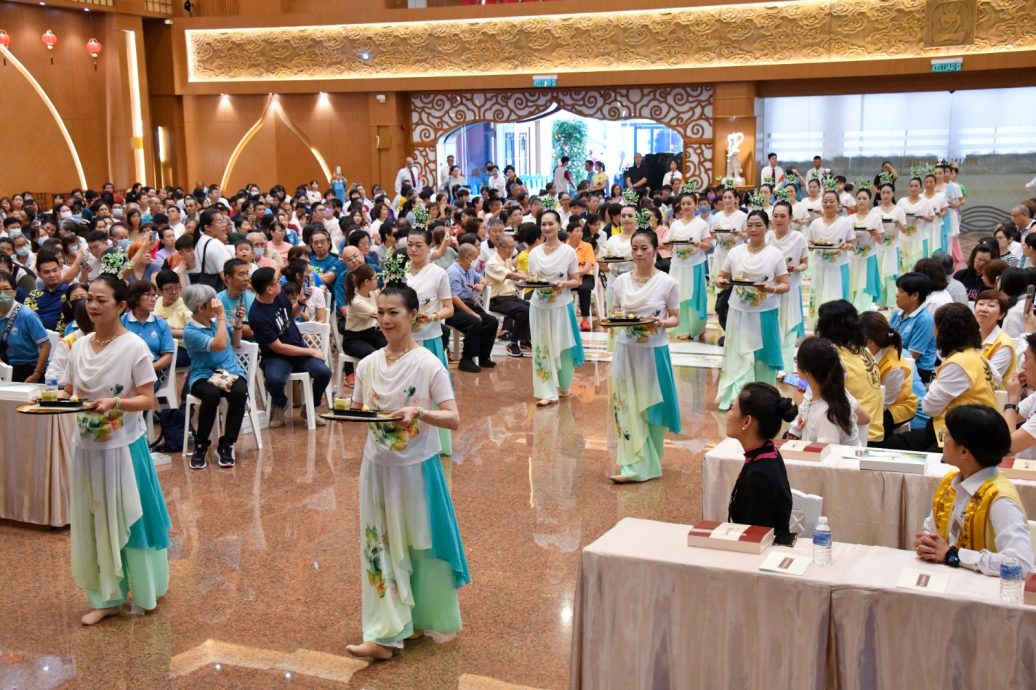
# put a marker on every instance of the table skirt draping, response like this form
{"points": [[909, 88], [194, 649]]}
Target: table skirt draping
{"points": [[863, 506], [34, 469], [646, 622], [651, 613]]}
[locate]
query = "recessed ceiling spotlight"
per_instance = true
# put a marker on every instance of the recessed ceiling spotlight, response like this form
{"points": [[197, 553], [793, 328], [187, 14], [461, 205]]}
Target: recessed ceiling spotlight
{"points": [[365, 56]]}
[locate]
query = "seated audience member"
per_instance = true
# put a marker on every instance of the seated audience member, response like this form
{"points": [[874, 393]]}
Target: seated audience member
{"points": [[299, 273], [361, 335], [898, 371], [77, 292], [914, 322], [587, 262], [1021, 413], [283, 349], [829, 414], [997, 347], [141, 321], [503, 295], [761, 494], [141, 267], [839, 323], [1013, 283], [963, 378], [477, 325], [971, 276], [59, 357], [937, 276], [238, 297], [23, 340], [259, 248], [215, 374], [977, 516], [170, 306], [956, 289], [991, 273], [47, 301]]}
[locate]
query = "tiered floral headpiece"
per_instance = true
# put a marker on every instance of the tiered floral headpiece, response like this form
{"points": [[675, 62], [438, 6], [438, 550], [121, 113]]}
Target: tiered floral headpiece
{"points": [[114, 262], [827, 180], [783, 194], [756, 199], [863, 182], [395, 268], [420, 217], [548, 203], [885, 177], [690, 186], [630, 198], [923, 170], [726, 182], [643, 219]]}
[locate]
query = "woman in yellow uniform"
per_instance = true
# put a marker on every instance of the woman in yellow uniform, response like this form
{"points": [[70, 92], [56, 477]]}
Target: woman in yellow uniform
{"points": [[898, 371], [997, 347], [963, 378], [839, 322]]}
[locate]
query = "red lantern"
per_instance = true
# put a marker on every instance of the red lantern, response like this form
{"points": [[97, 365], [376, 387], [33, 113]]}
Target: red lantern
{"points": [[49, 40], [94, 47], [5, 41]]}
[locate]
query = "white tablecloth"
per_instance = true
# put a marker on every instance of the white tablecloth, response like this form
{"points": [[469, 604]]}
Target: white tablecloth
{"points": [[34, 473], [652, 612], [863, 506]]}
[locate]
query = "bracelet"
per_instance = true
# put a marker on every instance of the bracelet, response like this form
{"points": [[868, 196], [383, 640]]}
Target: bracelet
{"points": [[118, 403], [420, 414]]}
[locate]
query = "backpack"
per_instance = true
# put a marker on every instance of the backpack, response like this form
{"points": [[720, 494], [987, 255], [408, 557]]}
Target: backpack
{"points": [[171, 423]]}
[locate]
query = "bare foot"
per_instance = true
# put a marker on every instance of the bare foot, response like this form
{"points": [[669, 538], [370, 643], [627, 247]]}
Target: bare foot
{"points": [[546, 402], [98, 615], [620, 479], [370, 650]]}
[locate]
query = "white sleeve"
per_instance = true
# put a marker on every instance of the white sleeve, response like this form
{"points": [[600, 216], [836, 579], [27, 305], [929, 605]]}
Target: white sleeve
{"points": [[1001, 361], [444, 291], [1012, 536], [673, 299], [142, 369], [951, 383], [440, 387], [893, 382], [58, 364]]}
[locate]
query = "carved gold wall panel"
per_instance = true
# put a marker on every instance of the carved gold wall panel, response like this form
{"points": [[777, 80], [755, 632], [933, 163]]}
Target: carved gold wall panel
{"points": [[685, 109], [715, 36]]}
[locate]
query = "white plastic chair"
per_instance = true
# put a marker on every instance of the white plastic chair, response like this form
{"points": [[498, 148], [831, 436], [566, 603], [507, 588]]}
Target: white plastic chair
{"points": [[167, 395], [248, 357], [53, 337], [6, 370], [806, 510], [318, 337]]}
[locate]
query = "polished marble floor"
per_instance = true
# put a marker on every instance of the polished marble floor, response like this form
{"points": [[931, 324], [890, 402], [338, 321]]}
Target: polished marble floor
{"points": [[265, 557]]}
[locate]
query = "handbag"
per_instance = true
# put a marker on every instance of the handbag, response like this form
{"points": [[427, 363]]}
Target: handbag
{"points": [[213, 280], [223, 380], [15, 308]]}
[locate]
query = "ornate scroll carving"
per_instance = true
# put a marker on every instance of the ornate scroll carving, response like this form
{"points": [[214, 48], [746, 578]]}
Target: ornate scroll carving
{"points": [[694, 37], [685, 109]]}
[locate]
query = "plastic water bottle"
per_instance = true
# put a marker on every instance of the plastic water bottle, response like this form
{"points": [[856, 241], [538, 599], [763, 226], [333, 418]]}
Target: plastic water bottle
{"points": [[1012, 584], [822, 543]]}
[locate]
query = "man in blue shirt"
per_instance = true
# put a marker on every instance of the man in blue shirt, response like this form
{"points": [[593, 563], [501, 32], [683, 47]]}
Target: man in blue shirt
{"points": [[477, 325], [324, 263], [238, 294], [281, 345], [48, 301], [23, 341], [914, 322], [351, 260]]}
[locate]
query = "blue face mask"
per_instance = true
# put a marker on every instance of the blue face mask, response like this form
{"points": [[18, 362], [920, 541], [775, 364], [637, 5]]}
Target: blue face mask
{"points": [[77, 217], [123, 244], [22, 251]]}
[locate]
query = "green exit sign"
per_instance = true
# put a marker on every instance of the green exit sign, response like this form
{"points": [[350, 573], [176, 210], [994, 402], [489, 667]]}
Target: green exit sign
{"points": [[544, 81], [948, 65]]}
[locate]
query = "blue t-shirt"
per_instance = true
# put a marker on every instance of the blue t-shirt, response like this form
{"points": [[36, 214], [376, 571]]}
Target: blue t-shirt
{"points": [[230, 303], [330, 263], [272, 322], [155, 332], [25, 338], [918, 333], [197, 339]]}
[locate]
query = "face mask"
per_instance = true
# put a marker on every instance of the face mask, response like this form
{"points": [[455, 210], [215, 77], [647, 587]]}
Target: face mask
{"points": [[258, 251], [6, 300], [77, 217], [65, 215], [14, 232], [22, 251], [117, 213], [123, 244], [712, 196]]}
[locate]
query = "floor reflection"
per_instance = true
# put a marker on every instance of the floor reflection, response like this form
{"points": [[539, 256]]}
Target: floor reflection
{"points": [[265, 557]]}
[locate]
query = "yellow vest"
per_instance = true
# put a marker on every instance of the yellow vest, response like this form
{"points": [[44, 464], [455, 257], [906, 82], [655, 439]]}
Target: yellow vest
{"points": [[1002, 340], [976, 532], [905, 406], [979, 393], [863, 382]]}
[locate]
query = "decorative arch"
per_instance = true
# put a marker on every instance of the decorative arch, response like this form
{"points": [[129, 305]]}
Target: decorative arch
{"points": [[685, 109]]}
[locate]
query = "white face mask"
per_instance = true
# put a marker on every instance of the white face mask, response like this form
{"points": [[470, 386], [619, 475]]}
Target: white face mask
{"points": [[14, 232], [22, 251], [65, 215]]}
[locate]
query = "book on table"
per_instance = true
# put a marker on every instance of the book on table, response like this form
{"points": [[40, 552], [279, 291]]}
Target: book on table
{"points": [[729, 536], [890, 460], [793, 449], [1018, 468]]}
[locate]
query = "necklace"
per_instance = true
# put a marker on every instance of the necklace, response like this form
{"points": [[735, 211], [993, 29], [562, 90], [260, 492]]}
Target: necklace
{"points": [[104, 342], [395, 358], [644, 279]]}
